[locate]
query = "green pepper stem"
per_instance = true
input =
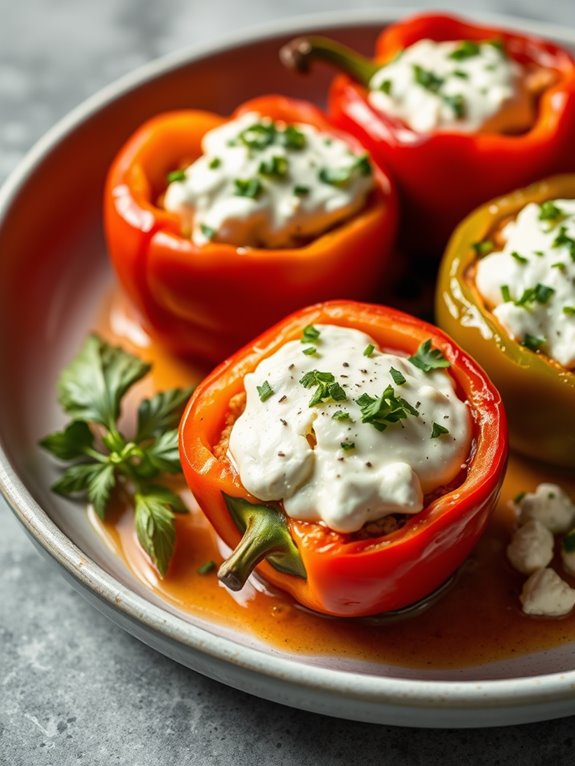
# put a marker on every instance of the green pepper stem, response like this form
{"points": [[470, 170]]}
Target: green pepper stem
{"points": [[298, 54], [265, 534]]}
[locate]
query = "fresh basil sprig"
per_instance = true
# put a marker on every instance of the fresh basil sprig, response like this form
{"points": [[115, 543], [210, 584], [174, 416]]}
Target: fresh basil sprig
{"points": [[102, 459]]}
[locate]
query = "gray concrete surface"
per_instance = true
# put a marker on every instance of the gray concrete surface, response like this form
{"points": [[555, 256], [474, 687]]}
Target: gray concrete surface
{"points": [[75, 689]]}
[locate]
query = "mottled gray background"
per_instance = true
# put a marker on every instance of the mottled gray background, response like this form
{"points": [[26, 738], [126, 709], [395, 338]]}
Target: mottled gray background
{"points": [[75, 689]]}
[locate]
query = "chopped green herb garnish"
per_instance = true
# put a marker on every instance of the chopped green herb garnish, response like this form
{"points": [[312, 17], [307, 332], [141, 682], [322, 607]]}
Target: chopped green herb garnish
{"points": [[385, 410], [301, 191], [369, 349], [568, 542], [251, 187], [363, 165], [505, 293], [466, 49], [527, 297], [462, 75], [427, 79], [518, 257], [206, 567], [313, 377], [208, 231], [457, 103], [176, 175], [265, 391], [310, 351], [335, 176], [102, 460], [540, 294], [337, 393], [259, 135], [569, 310], [532, 342], [385, 87], [564, 240], [342, 176], [539, 253], [519, 497], [543, 293], [292, 138], [548, 211], [496, 43], [310, 334], [274, 167], [559, 265], [347, 445], [341, 415], [483, 248], [327, 387], [438, 430], [214, 163], [397, 376], [427, 358]]}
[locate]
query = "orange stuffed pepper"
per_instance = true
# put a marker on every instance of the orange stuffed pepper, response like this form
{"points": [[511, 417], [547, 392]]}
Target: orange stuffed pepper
{"points": [[217, 227], [351, 454]]}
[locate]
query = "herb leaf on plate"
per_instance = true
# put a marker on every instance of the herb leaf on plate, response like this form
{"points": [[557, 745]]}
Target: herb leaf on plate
{"points": [[101, 459]]}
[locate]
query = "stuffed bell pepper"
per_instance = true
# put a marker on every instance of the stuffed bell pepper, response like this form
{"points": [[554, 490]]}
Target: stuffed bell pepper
{"points": [[351, 453], [218, 227], [506, 293], [458, 112]]}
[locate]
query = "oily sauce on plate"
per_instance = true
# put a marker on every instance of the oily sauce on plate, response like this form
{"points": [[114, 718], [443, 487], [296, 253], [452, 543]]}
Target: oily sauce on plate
{"points": [[477, 620]]}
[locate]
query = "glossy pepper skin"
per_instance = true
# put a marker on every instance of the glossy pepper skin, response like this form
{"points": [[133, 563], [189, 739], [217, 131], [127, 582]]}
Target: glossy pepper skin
{"points": [[208, 301], [340, 574], [443, 176], [539, 394]]}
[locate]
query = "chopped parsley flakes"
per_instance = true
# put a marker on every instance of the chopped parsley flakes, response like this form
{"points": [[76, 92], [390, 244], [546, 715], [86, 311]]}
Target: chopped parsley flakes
{"points": [[264, 391], [438, 431], [427, 358], [385, 410]]}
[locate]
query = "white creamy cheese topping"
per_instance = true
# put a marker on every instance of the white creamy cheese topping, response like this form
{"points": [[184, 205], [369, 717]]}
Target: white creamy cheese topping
{"points": [[531, 281], [545, 594], [264, 184], [456, 85], [322, 460]]}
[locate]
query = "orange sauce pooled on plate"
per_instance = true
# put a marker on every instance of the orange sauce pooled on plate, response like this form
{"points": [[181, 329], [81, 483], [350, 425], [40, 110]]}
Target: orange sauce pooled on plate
{"points": [[477, 620]]}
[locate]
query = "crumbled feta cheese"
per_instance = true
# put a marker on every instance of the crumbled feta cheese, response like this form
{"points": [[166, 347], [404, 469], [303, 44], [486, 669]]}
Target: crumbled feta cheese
{"points": [[261, 183], [550, 506], [322, 458], [545, 594], [531, 547], [454, 85]]}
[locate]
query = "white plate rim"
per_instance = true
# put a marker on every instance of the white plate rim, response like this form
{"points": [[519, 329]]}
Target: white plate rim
{"points": [[446, 703]]}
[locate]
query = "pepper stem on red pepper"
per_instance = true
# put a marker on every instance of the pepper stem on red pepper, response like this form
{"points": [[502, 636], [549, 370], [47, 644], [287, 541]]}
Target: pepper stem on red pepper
{"points": [[266, 535], [299, 53]]}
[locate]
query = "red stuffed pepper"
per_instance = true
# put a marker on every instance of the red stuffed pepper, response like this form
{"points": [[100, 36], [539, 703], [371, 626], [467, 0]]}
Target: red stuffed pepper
{"points": [[205, 288], [458, 112], [332, 514]]}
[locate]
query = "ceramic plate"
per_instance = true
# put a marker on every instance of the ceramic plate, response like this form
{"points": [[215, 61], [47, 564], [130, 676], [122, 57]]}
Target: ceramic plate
{"points": [[53, 278]]}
